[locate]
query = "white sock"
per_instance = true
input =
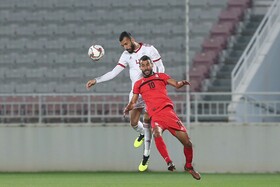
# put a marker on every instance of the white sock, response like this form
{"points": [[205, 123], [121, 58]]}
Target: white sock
{"points": [[139, 128], [147, 138]]}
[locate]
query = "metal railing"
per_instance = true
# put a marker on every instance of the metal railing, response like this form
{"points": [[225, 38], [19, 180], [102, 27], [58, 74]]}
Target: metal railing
{"points": [[251, 52], [105, 108]]}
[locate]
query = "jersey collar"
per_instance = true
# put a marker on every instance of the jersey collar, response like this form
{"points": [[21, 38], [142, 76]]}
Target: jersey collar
{"points": [[138, 48]]}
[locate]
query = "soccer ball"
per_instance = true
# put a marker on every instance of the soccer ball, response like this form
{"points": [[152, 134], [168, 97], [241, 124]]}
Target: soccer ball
{"points": [[96, 52]]}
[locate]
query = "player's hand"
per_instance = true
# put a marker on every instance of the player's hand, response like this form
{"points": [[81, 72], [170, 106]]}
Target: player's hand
{"points": [[184, 82], [127, 109], [90, 83], [125, 112]]}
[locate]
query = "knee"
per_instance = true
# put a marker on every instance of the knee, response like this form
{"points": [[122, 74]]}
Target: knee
{"points": [[133, 124], [157, 132], [188, 143], [146, 119], [133, 121]]}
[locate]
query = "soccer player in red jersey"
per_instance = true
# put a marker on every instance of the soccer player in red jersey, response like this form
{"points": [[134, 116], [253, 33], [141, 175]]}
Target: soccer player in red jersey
{"points": [[152, 87]]}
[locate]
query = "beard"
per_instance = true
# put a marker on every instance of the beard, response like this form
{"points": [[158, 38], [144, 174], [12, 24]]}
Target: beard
{"points": [[131, 50], [148, 73]]}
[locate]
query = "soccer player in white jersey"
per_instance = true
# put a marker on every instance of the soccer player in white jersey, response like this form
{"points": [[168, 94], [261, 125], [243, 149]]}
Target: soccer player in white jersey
{"points": [[133, 51]]}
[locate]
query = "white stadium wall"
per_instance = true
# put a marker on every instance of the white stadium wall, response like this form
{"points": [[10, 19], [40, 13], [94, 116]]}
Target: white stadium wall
{"points": [[262, 77], [267, 76], [217, 147]]}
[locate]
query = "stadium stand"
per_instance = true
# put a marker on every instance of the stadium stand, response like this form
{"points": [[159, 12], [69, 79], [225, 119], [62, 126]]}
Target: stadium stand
{"points": [[227, 39], [56, 35], [44, 44]]}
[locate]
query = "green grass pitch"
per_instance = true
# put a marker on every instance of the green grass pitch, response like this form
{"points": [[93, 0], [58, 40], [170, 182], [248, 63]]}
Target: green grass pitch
{"points": [[135, 179]]}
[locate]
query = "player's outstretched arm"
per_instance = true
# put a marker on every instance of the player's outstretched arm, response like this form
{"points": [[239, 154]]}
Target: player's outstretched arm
{"points": [[177, 84], [106, 77]]}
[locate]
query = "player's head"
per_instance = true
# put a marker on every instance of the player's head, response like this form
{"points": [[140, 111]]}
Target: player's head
{"points": [[146, 66], [127, 41]]}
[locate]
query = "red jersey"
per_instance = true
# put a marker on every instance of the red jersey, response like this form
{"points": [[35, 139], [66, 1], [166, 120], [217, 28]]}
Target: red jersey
{"points": [[153, 91]]}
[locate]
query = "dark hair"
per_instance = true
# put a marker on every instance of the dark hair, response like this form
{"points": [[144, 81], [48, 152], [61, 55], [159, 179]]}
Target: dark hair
{"points": [[145, 58], [125, 34]]}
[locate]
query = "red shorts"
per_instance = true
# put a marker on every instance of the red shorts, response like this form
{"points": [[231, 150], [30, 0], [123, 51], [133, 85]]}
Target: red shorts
{"points": [[168, 119]]}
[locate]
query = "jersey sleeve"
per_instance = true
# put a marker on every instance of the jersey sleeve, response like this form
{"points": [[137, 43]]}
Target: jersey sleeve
{"points": [[136, 88], [123, 60], [110, 75], [164, 77], [156, 58]]}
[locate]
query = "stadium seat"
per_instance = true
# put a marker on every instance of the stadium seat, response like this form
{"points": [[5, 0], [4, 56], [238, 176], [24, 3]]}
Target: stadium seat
{"points": [[210, 15], [240, 3], [199, 71], [229, 15], [198, 3], [218, 3], [224, 29], [214, 43], [55, 36], [195, 85], [207, 58], [8, 88]]}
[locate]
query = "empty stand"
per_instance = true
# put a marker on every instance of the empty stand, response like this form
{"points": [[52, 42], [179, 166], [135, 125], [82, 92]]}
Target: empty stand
{"points": [[45, 43]]}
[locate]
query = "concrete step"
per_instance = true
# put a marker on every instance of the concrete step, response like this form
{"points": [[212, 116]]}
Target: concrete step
{"points": [[237, 52], [227, 67], [222, 82], [223, 75], [256, 18], [219, 88]]}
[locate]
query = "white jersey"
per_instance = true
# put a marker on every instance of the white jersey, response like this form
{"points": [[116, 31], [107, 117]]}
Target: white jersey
{"points": [[132, 60]]}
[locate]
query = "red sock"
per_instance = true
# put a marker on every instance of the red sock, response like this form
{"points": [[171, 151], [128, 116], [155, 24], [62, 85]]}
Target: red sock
{"points": [[188, 151], [161, 147]]}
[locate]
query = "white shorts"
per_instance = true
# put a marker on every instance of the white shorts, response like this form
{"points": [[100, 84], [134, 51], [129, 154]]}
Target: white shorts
{"points": [[140, 102]]}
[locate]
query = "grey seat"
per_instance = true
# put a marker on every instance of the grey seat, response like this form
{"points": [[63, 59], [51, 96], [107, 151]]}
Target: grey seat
{"points": [[194, 14], [25, 88], [3, 43], [37, 73], [199, 29], [42, 30], [218, 3], [198, 3], [7, 88], [27, 30], [65, 88], [196, 42], [211, 14], [10, 29], [16, 73], [35, 16], [48, 87]]}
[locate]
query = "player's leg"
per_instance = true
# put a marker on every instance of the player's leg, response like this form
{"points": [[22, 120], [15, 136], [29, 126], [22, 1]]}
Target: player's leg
{"points": [[161, 147], [177, 129], [147, 145], [137, 125], [135, 122], [183, 137]]}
